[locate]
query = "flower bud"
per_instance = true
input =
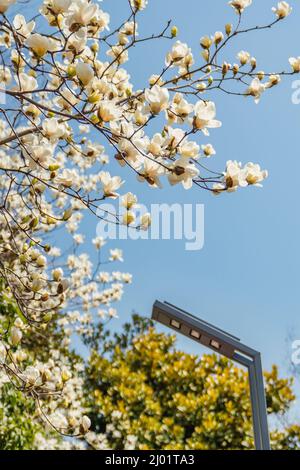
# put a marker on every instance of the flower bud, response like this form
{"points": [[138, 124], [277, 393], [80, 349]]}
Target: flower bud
{"points": [[174, 31], [218, 37], [67, 214], [206, 42], [15, 335], [228, 29]]}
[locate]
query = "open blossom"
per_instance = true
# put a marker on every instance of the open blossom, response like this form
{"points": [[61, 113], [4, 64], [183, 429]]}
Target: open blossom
{"points": [[255, 89], [39, 155], [183, 172], [84, 72], [129, 200], [108, 111], [205, 113], [282, 10], [110, 184], [150, 172], [22, 28], [5, 4], [189, 149], [139, 4], [244, 57], [234, 176], [240, 5], [5, 75], [53, 129], [158, 99], [295, 63], [40, 45], [31, 375], [208, 150], [57, 6], [80, 13], [67, 99], [253, 174], [116, 255], [179, 51], [25, 82]]}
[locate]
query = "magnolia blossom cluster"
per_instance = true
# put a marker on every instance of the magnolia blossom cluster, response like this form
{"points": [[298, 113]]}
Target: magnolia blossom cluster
{"points": [[69, 107]]}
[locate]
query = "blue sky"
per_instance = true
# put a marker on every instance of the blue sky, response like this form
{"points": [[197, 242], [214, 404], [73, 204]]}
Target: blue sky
{"points": [[246, 278]]}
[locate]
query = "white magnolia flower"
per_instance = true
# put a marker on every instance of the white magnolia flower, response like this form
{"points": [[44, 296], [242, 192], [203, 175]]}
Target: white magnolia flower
{"points": [[139, 4], [98, 242], [150, 172], [255, 89], [31, 375], [25, 82], [67, 99], [240, 5], [129, 200], [183, 172], [84, 72], [2, 353], [179, 51], [81, 13], [128, 218], [234, 176], [57, 274], [5, 4], [189, 149], [295, 63], [108, 111], [5, 75], [253, 174], [15, 335], [158, 99], [110, 184], [57, 6], [116, 255], [145, 222], [23, 29], [208, 150], [282, 10], [205, 113], [53, 129], [39, 155], [244, 57]]}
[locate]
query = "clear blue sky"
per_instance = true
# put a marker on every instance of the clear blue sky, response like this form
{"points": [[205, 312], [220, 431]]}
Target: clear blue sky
{"points": [[246, 279]]}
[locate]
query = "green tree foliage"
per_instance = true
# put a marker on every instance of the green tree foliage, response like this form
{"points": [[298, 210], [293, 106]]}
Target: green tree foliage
{"points": [[146, 392], [17, 428]]}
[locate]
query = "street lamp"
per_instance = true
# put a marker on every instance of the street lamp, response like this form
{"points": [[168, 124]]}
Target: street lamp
{"points": [[227, 345]]}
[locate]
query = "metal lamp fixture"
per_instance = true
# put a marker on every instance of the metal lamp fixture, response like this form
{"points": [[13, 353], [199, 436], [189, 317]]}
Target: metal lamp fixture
{"points": [[228, 346]]}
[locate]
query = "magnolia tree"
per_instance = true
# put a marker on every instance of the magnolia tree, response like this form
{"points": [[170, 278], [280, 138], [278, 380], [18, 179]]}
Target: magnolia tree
{"points": [[66, 101]]}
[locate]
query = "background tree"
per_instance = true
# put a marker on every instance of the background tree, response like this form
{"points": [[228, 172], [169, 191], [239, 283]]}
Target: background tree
{"points": [[146, 394]]}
